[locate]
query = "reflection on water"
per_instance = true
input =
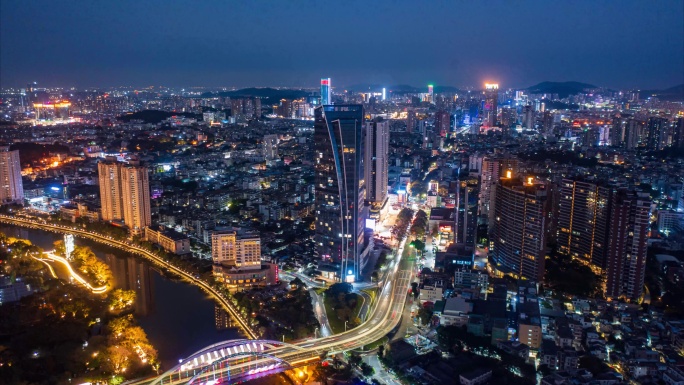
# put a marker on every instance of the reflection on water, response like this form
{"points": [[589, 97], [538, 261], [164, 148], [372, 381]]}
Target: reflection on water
{"points": [[178, 318], [133, 274], [223, 320]]}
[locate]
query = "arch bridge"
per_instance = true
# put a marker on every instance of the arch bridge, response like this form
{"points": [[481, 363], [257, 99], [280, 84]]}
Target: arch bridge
{"points": [[233, 361]]}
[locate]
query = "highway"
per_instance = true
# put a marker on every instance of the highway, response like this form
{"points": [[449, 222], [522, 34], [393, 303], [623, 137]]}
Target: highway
{"points": [[125, 246], [384, 317]]}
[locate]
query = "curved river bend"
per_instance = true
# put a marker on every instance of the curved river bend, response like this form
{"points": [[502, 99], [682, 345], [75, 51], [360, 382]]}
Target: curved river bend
{"points": [[178, 318]]}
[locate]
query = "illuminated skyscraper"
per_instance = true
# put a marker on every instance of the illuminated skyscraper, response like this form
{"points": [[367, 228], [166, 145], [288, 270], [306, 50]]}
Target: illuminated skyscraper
{"points": [[11, 187], [625, 265], [431, 93], [135, 187], [492, 169], [466, 211], [109, 172], [325, 91], [376, 153], [656, 131], [519, 228], [583, 216], [340, 190], [607, 229], [490, 106], [125, 193]]}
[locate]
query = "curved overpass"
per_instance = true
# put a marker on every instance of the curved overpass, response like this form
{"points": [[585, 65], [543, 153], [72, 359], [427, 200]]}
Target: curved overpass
{"points": [[217, 369], [139, 251]]}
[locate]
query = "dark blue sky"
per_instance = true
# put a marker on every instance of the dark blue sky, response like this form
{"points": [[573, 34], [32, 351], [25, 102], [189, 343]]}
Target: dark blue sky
{"points": [[616, 43]]}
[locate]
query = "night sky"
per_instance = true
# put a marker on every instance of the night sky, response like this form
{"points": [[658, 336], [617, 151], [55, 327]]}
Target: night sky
{"points": [[620, 43]]}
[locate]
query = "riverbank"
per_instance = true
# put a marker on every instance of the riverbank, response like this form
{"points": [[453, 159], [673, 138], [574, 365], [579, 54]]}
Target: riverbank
{"points": [[131, 248], [63, 331], [178, 318]]}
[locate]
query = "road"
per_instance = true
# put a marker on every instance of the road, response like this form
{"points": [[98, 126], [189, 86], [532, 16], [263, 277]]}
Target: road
{"points": [[125, 246], [384, 317], [380, 374]]}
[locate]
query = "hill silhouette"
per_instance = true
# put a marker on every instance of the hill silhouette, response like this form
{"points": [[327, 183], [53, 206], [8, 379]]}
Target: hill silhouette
{"points": [[155, 116], [563, 89]]}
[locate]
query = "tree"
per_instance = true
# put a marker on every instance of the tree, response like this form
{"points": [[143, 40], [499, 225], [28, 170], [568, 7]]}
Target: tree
{"points": [[120, 299], [425, 315], [297, 282], [336, 289], [354, 359], [118, 325], [418, 245], [59, 248], [117, 359], [366, 369]]}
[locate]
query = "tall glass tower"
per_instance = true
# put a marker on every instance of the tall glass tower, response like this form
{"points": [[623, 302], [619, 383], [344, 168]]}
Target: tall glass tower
{"points": [[325, 92], [340, 188]]}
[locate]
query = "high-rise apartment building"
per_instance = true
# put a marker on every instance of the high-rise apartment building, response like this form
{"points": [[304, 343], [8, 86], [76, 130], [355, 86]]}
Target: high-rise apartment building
{"points": [[678, 133], [270, 147], [547, 124], [340, 190], [11, 186], [583, 217], [492, 169], [376, 158], [237, 249], [490, 105], [326, 98], [607, 229], [125, 193], [442, 123], [111, 199], [625, 267], [135, 188], [656, 129], [528, 117], [411, 120], [519, 228]]}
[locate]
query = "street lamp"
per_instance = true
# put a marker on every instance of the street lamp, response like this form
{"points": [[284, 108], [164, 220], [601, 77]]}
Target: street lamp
{"points": [[345, 325], [315, 331]]}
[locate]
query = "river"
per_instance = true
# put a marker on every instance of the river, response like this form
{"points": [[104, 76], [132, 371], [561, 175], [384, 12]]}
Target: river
{"points": [[178, 318]]}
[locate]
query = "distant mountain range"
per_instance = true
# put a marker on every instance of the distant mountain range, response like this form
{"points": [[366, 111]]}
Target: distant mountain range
{"points": [[268, 95], [155, 116], [675, 93], [563, 89]]}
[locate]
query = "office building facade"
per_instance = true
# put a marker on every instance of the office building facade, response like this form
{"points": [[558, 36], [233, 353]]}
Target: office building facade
{"points": [[490, 104], [339, 184], [326, 98], [236, 249], [376, 166], [466, 211]]}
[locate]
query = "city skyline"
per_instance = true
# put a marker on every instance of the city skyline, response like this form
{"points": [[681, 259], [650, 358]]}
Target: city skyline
{"points": [[234, 45]]}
